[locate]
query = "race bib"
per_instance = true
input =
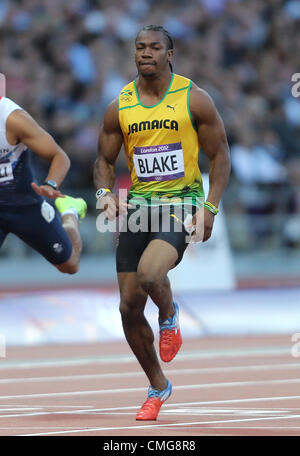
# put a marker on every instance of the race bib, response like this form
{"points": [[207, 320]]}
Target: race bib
{"points": [[159, 163], [6, 172]]}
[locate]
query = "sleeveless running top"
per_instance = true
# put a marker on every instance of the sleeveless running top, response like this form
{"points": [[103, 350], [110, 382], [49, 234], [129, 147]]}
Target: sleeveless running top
{"points": [[15, 173], [161, 143]]}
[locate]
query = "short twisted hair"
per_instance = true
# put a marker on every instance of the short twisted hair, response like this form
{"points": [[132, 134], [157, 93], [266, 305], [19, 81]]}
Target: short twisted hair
{"points": [[159, 28]]}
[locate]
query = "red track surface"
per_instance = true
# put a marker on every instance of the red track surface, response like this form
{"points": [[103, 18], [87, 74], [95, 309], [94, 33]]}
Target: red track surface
{"points": [[221, 386]]}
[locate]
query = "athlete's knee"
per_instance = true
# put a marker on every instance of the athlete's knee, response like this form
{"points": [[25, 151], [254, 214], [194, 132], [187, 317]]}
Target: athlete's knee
{"points": [[124, 309], [149, 280], [68, 268], [131, 307]]}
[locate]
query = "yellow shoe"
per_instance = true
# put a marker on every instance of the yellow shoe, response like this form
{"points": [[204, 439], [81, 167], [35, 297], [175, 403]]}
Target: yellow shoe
{"points": [[67, 203]]}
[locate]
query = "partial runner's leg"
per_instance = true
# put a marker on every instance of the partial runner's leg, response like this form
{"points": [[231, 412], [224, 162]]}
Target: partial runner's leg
{"points": [[71, 209], [158, 258], [70, 224], [138, 332]]}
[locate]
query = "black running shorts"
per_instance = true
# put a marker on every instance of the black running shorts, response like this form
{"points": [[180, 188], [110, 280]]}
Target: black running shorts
{"points": [[146, 223]]}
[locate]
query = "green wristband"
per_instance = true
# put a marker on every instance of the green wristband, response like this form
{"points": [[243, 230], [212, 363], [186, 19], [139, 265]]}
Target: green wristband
{"points": [[211, 207]]}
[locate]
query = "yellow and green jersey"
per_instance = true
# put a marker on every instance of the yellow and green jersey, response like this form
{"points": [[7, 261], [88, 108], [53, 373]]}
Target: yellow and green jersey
{"points": [[161, 143]]}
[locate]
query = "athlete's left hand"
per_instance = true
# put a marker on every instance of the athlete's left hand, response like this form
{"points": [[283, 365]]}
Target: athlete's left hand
{"points": [[209, 219], [202, 223], [47, 191]]}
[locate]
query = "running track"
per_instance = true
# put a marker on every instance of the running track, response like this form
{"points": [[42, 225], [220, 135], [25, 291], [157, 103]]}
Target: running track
{"points": [[221, 386]]}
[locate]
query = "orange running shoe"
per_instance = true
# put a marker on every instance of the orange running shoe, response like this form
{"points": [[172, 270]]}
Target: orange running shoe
{"points": [[170, 336], [151, 406]]}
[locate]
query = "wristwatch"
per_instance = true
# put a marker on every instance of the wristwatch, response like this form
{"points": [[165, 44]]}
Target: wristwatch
{"points": [[102, 192], [51, 183]]}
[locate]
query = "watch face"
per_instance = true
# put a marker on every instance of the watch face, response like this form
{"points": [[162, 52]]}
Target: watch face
{"points": [[52, 183], [100, 193]]}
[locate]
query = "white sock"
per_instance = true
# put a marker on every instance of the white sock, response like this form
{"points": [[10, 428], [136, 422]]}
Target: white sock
{"points": [[71, 210]]}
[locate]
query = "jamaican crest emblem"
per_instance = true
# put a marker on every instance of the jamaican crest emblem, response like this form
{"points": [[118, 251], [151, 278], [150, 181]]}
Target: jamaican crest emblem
{"points": [[126, 95]]}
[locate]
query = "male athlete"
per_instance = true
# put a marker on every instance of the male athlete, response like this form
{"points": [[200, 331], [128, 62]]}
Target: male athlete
{"points": [[162, 119], [23, 209]]}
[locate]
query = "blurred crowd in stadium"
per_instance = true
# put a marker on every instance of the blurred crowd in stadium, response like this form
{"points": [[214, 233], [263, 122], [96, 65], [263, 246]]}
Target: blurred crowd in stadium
{"points": [[65, 61]]}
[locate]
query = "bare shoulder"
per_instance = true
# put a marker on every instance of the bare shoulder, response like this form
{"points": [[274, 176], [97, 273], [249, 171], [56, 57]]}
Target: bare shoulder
{"points": [[201, 104], [22, 119], [20, 123], [111, 117], [18, 118]]}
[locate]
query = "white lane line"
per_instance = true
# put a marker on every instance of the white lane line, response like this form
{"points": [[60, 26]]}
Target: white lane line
{"points": [[261, 428], [177, 411], [40, 427], [232, 428], [224, 411], [22, 406], [169, 425], [174, 404], [124, 359], [210, 427], [207, 370], [135, 390], [19, 410], [15, 409]]}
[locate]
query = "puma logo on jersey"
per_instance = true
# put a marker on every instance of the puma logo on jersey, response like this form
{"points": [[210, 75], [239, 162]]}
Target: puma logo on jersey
{"points": [[171, 107]]}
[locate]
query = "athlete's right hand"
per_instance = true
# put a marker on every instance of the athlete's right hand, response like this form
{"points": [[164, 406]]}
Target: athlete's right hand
{"points": [[47, 191], [112, 206]]}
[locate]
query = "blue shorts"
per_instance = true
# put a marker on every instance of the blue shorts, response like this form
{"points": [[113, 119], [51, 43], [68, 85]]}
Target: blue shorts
{"points": [[39, 225]]}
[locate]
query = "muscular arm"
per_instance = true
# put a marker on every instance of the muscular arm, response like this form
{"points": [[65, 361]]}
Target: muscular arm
{"points": [[212, 138], [21, 127], [109, 145]]}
